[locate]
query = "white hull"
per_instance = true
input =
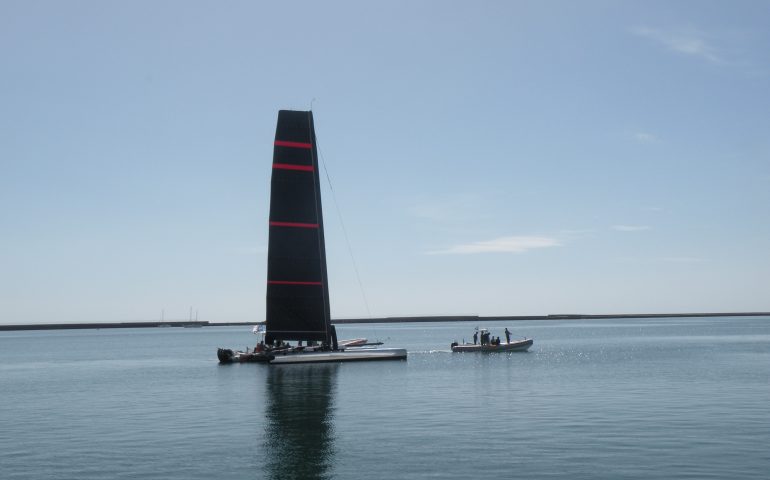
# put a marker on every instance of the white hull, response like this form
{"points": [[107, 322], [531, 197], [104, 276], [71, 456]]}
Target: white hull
{"points": [[516, 346], [347, 355]]}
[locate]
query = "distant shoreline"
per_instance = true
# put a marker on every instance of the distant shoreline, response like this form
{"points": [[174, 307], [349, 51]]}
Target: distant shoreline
{"points": [[437, 318]]}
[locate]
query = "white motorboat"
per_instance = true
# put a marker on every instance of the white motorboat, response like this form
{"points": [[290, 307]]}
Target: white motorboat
{"points": [[489, 344]]}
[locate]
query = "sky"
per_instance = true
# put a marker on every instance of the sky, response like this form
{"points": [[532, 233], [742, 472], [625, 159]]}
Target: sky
{"points": [[484, 158]]}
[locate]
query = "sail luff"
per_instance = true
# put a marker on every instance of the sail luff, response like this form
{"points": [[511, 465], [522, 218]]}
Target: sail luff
{"points": [[321, 240]]}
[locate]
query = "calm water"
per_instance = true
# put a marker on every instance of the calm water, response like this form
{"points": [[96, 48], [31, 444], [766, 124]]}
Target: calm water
{"points": [[676, 398]]}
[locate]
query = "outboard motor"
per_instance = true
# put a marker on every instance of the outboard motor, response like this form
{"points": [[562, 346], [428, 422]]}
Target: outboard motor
{"points": [[225, 355]]}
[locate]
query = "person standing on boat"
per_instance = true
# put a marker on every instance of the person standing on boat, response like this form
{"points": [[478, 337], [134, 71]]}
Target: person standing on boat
{"points": [[507, 335], [475, 337]]}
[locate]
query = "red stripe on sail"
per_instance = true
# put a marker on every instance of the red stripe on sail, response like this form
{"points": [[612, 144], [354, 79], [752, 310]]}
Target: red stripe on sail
{"points": [[288, 282], [289, 166], [284, 143], [294, 224]]}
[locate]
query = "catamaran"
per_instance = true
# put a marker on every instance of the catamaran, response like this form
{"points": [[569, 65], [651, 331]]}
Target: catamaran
{"points": [[297, 283]]}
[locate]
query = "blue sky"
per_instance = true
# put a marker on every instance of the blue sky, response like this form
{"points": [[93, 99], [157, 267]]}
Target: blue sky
{"points": [[486, 157]]}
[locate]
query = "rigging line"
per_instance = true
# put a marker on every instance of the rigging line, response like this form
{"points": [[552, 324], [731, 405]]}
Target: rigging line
{"points": [[319, 217], [344, 230]]}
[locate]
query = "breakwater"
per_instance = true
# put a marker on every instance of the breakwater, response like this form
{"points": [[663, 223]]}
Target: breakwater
{"points": [[403, 319]]}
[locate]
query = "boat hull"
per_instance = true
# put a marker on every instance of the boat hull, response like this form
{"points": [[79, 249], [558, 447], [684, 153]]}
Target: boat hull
{"points": [[290, 356], [225, 355], [347, 355], [516, 346]]}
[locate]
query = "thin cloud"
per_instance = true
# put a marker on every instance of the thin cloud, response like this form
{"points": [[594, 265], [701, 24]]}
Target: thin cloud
{"points": [[448, 208], [519, 244], [430, 212], [631, 228], [644, 137], [657, 260], [577, 233], [687, 42], [684, 260]]}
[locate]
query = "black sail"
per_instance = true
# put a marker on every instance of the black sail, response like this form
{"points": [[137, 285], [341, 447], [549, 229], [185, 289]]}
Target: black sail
{"points": [[297, 293]]}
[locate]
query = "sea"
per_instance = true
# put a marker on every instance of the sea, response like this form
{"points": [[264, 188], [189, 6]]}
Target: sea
{"points": [[664, 398]]}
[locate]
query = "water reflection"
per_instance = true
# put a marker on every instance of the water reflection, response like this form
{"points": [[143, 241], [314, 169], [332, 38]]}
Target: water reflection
{"points": [[299, 434]]}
